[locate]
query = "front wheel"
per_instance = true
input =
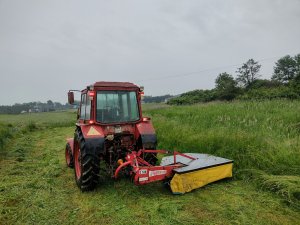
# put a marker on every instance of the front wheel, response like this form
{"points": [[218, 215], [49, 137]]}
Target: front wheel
{"points": [[86, 165]]}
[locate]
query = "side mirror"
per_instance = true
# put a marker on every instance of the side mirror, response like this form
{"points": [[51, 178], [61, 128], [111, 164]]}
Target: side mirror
{"points": [[71, 97]]}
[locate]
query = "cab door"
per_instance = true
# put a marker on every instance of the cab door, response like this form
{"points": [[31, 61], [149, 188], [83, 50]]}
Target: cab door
{"points": [[85, 109]]}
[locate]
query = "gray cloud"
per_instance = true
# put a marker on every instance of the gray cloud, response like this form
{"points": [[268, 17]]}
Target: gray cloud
{"points": [[48, 47]]}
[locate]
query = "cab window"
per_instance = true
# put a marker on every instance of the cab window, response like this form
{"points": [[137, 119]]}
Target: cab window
{"points": [[88, 109], [82, 107], [117, 106]]}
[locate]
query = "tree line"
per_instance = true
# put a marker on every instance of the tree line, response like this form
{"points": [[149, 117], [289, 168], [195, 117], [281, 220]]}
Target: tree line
{"points": [[284, 83], [156, 99], [32, 107]]}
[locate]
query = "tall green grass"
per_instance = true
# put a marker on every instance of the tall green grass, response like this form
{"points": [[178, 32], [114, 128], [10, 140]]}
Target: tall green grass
{"points": [[262, 137], [257, 135], [36, 187], [5, 134]]}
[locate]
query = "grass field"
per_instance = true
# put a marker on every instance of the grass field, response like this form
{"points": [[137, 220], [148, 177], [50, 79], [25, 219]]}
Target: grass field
{"points": [[36, 187]]}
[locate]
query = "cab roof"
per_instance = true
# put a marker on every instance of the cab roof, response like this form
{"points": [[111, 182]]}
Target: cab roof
{"points": [[114, 84]]}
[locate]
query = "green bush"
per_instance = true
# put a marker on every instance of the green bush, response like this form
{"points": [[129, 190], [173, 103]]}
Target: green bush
{"points": [[193, 97], [258, 90], [286, 92]]}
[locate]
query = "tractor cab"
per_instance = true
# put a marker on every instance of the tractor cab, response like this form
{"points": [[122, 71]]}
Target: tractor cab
{"points": [[109, 103], [109, 126]]}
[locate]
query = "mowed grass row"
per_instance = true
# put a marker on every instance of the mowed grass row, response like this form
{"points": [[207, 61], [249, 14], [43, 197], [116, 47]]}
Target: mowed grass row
{"points": [[37, 187], [11, 125], [46, 119], [5, 134]]}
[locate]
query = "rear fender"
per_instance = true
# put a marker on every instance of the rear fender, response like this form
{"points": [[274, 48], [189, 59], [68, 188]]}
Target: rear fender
{"points": [[146, 133], [94, 138]]}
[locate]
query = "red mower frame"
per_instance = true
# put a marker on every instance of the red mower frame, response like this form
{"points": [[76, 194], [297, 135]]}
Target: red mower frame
{"points": [[143, 172]]}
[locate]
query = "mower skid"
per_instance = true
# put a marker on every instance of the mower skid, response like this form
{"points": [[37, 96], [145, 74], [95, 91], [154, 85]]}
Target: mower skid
{"points": [[196, 173]]}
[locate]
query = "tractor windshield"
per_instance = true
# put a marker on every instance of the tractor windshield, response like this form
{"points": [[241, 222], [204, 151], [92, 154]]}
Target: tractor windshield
{"points": [[117, 106]]}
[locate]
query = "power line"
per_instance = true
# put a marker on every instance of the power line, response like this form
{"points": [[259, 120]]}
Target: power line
{"points": [[205, 70]]}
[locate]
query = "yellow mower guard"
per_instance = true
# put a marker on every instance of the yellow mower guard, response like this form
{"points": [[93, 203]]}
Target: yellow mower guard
{"points": [[186, 182]]}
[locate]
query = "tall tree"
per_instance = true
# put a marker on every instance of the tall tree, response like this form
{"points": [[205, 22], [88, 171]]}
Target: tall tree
{"points": [[297, 74], [286, 68], [226, 87], [248, 73]]}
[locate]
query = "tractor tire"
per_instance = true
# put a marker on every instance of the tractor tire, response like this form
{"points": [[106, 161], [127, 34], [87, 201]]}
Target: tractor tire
{"points": [[69, 156], [86, 165]]}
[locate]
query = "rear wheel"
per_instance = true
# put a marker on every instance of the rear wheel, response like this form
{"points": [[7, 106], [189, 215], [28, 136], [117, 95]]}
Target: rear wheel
{"points": [[69, 156], [86, 165]]}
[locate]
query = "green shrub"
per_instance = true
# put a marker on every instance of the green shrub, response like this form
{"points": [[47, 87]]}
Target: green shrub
{"points": [[270, 93], [193, 97], [258, 90]]}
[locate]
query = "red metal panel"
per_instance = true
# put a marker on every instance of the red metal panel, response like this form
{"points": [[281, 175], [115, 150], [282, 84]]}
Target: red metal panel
{"points": [[145, 127], [145, 175], [125, 128], [144, 172]]}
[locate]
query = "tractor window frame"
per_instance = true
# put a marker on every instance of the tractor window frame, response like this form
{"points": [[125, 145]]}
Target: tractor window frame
{"points": [[88, 108], [121, 102], [82, 106], [85, 107]]}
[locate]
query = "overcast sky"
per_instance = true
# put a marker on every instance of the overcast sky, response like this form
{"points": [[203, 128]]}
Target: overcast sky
{"points": [[48, 47]]}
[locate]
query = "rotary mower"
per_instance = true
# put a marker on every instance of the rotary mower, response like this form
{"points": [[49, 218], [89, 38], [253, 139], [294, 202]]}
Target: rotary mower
{"points": [[111, 133]]}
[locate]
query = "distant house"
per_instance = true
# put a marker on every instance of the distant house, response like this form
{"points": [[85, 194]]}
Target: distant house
{"points": [[36, 108]]}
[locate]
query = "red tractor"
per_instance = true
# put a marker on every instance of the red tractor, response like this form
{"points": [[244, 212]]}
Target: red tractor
{"points": [[112, 133]]}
